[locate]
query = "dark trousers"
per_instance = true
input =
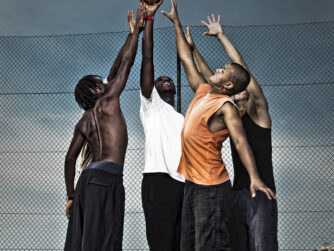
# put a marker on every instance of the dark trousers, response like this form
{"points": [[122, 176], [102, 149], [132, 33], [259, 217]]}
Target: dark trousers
{"points": [[97, 214], [162, 202], [253, 223], [205, 217]]}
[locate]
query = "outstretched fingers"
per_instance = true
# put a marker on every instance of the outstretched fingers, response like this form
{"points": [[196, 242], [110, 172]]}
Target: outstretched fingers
{"points": [[205, 23], [213, 18], [172, 15]]}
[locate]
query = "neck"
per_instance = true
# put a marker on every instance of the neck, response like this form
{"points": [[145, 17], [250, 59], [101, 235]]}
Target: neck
{"points": [[168, 97], [215, 90]]}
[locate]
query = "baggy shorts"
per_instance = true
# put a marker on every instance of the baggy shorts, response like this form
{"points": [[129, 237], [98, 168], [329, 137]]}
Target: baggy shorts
{"points": [[205, 217], [97, 213]]}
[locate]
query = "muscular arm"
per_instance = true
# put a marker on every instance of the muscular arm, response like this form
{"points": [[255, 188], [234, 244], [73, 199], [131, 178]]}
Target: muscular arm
{"points": [[118, 60], [257, 104], [195, 79], [237, 134], [70, 160], [202, 66], [147, 67], [117, 85], [233, 123]]}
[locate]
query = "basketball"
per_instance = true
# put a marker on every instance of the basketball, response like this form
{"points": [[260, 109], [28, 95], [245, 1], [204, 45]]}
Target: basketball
{"points": [[151, 2]]}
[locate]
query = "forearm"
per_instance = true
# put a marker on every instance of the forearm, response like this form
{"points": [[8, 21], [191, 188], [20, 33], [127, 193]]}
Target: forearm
{"points": [[131, 50], [231, 51], [128, 59], [202, 66], [195, 79], [182, 46], [118, 60], [147, 67], [69, 172]]}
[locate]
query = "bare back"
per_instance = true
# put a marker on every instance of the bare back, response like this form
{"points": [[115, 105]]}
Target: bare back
{"points": [[112, 130], [106, 133]]}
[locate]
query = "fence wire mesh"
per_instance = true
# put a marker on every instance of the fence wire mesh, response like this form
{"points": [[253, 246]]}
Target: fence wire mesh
{"points": [[293, 63]]}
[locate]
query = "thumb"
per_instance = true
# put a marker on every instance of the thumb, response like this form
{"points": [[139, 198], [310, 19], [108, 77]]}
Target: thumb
{"points": [[252, 190]]}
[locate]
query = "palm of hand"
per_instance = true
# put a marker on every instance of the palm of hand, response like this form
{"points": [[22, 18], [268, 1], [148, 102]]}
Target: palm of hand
{"points": [[214, 28], [132, 24]]}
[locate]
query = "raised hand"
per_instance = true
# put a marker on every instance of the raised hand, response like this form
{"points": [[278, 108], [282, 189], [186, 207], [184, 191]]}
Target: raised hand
{"points": [[140, 17], [172, 15], [131, 21], [213, 26], [257, 184], [189, 38], [152, 9]]}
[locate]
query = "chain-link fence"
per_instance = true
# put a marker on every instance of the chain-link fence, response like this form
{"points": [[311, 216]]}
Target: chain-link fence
{"points": [[293, 63]]}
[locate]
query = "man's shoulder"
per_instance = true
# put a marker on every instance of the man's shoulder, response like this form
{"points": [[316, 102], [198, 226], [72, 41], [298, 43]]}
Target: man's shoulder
{"points": [[203, 88]]}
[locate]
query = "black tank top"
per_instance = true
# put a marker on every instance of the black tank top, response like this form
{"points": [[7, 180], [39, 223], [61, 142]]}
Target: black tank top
{"points": [[259, 139]]}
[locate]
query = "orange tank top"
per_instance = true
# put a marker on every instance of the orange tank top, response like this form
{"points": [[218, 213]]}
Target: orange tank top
{"points": [[201, 161]]}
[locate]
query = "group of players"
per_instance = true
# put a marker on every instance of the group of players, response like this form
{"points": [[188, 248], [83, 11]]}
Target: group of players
{"points": [[188, 201]]}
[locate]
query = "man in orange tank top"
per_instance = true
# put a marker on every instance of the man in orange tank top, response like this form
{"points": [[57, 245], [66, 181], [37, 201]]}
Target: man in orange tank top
{"points": [[211, 118], [253, 223]]}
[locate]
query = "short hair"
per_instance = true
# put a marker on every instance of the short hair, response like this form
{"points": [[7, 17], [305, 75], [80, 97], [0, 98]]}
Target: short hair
{"points": [[240, 78], [85, 98], [163, 78]]}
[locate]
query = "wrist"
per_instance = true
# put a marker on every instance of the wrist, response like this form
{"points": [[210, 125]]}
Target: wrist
{"points": [[220, 35], [176, 22], [70, 197], [254, 177], [149, 17]]}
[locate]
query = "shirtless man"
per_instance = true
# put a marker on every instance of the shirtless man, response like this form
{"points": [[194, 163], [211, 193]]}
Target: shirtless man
{"points": [[162, 186], [210, 119], [96, 207], [253, 220]]}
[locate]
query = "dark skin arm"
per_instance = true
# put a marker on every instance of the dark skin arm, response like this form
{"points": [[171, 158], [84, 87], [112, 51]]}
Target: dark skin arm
{"points": [[117, 85], [118, 60], [195, 79], [229, 114], [70, 160], [147, 67]]}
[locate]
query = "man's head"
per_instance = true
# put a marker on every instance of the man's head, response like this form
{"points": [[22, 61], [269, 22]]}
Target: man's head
{"points": [[164, 84], [88, 90], [230, 80], [166, 89]]}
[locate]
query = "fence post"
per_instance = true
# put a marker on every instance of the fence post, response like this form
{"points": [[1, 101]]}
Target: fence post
{"points": [[178, 65]]}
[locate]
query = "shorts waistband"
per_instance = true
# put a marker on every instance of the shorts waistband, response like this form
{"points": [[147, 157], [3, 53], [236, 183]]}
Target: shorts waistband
{"points": [[107, 166]]}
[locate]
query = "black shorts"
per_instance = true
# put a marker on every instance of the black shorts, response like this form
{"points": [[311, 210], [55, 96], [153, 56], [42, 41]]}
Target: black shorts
{"points": [[205, 217], [97, 214], [162, 198]]}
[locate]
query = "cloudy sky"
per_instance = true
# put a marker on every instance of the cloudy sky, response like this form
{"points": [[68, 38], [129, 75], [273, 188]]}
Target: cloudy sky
{"points": [[36, 129], [45, 17]]}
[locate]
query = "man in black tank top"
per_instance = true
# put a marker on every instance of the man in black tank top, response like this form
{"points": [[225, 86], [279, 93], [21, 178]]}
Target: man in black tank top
{"points": [[253, 223]]}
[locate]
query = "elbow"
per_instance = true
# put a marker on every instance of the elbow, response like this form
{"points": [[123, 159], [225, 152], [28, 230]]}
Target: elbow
{"points": [[147, 57], [69, 160]]}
